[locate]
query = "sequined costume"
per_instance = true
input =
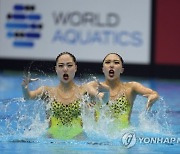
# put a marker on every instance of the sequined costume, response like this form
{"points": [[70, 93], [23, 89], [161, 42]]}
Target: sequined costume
{"points": [[65, 122], [120, 110]]}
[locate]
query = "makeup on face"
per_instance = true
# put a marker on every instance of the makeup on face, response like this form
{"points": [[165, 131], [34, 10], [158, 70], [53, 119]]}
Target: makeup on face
{"points": [[65, 68], [112, 66]]}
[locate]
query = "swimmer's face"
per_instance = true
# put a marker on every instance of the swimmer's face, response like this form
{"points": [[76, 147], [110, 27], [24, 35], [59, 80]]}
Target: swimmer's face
{"points": [[65, 68], [112, 67]]}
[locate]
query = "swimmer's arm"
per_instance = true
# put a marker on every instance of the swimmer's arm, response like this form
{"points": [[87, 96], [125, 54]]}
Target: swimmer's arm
{"points": [[98, 93], [151, 95], [96, 89], [35, 94], [91, 88], [31, 94]]}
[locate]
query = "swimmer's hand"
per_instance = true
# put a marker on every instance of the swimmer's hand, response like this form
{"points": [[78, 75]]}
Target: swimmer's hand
{"points": [[151, 100], [101, 87], [103, 93], [98, 90], [28, 80], [91, 104]]}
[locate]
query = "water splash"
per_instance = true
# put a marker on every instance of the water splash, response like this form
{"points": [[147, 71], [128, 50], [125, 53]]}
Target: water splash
{"points": [[21, 118], [102, 129], [27, 119], [156, 120], [37, 129]]}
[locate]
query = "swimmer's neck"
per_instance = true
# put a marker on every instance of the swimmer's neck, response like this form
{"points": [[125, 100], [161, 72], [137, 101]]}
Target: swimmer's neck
{"points": [[113, 83], [66, 86]]}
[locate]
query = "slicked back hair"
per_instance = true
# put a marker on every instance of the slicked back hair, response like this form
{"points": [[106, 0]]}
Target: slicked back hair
{"points": [[122, 61], [68, 53]]}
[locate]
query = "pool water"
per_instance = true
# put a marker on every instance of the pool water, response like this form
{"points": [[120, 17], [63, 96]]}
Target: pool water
{"points": [[23, 123]]}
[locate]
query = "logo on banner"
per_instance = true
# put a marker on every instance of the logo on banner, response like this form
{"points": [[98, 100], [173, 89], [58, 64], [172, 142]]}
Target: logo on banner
{"points": [[88, 28], [23, 26]]}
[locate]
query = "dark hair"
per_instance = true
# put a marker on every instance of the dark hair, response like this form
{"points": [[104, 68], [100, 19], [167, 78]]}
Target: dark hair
{"points": [[68, 53], [122, 61]]}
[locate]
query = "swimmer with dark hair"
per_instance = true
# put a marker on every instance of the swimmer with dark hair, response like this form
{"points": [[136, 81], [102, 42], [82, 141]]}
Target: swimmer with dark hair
{"points": [[64, 99], [122, 94]]}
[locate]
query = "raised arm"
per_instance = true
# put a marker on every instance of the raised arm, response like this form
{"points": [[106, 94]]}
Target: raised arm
{"points": [[97, 90], [31, 94], [151, 95]]}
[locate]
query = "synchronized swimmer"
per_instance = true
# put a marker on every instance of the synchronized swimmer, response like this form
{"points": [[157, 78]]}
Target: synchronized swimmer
{"points": [[65, 98], [122, 94]]}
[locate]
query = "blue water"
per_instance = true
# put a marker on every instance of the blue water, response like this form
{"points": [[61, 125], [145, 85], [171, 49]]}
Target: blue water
{"points": [[23, 123]]}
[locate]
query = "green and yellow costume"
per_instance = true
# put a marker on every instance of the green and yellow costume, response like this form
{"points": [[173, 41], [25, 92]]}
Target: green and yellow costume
{"points": [[119, 110], [65, 122]]}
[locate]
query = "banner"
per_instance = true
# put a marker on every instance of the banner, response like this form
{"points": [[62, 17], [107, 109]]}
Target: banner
{"points": [[40, 30]]}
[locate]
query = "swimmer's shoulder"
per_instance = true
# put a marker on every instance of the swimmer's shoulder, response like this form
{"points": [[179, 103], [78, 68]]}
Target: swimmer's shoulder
{"points": [[130, 89], [47, 89], [48, 92], [132, 84]]}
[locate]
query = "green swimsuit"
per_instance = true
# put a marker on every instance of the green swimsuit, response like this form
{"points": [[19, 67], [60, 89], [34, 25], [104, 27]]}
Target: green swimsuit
{"points": [[120, 110], [65, 122]]}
